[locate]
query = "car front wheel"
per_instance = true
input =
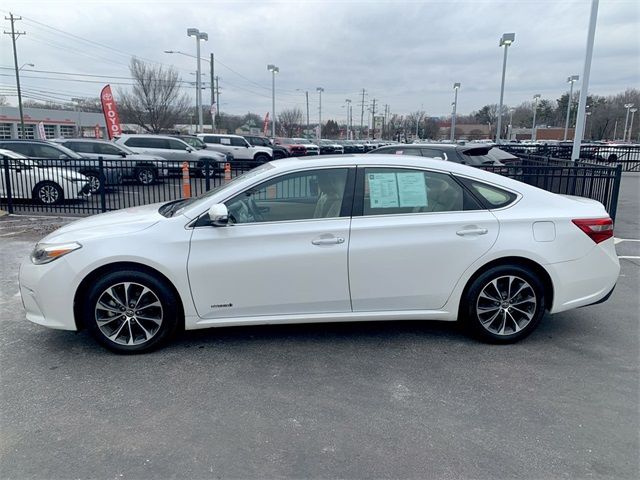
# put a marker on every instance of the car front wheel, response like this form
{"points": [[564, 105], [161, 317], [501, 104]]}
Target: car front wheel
{"points": [[145, 175], [48, 193], [130, 311], [504, 304]]}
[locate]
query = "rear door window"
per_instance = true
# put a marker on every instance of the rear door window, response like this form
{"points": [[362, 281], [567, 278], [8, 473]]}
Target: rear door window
{"points": [[238, 142]]}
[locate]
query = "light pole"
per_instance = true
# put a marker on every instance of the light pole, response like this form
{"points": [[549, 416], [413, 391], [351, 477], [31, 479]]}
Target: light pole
{"points": [[319, 90], [505, 41], [586, 119], [572, 79], [194, 32], [306, 96], [510, 129], [633, 114], [273, 69], [536, 97], [348, 102], [456, 87], [628, 106]]}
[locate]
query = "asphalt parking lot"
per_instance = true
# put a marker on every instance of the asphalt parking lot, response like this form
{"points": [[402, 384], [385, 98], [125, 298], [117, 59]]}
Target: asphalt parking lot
{"points": [[360, 400]]}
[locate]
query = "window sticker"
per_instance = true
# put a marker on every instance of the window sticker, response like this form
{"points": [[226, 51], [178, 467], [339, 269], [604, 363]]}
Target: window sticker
{"points": [[225, 141], [383, 190], [412, 189]]}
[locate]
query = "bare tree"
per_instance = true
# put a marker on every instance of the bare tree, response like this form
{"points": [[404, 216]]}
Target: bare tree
{"points": [[155, 102], [3, 101], [289, 120]]}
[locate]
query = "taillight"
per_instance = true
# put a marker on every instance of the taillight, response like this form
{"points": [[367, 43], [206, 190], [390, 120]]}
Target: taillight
{"points": [[598, 229]]}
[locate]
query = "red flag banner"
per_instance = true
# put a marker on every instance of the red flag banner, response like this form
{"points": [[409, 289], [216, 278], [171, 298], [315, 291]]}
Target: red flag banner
{"points": [[266, 124], [110, 111]]}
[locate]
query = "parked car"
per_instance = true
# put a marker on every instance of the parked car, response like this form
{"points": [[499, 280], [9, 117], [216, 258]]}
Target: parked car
{"points": [[145, 169], [51, 154], [330, 147], [295, 148], [171, 148], [48, 186], [278, 150], [399, 237], [237, 146], [311, 147], [472, 154]]}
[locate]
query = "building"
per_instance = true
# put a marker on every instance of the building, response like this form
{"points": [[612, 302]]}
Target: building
{"points": [[464, 131], [57, 123], [543, 133]]}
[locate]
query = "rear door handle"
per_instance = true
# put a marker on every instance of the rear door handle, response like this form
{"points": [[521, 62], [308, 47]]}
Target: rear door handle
{"points": [[472, 231], [328, 241]]}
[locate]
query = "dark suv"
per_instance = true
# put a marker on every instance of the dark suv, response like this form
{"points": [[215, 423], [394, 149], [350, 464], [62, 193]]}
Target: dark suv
{"points": [[50, 154], [473, 154], [257, 141]]}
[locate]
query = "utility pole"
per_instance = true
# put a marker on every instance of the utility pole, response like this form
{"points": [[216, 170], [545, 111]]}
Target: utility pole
{"points": [[213, 98], [373, 117], [348, 102], [306, 94], [14, 37], [386, 114], [361, 113], [319, 90], [217, 98]]}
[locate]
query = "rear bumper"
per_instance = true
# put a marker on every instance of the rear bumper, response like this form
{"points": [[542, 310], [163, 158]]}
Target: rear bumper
{"points": [[585, 281]]}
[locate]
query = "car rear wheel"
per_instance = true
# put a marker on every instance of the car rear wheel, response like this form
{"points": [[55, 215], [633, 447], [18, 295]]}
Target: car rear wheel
{"points": [[145, 175], [95, 181], [48, 193], [130, 311], [504, 304]]}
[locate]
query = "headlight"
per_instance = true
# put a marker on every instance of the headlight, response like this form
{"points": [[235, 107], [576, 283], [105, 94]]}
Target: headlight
{"points": [[48, 252]]}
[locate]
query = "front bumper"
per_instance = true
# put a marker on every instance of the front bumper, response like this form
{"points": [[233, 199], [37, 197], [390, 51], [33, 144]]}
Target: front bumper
{"points": [[47, 295]]}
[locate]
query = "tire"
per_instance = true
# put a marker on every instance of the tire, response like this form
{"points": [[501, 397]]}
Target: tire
{"points": [[262, 158], [214, 167], [146, 175], [613, 158], [48, 193], [277, 155], [503, 305], [130, 329], [95, 180]]}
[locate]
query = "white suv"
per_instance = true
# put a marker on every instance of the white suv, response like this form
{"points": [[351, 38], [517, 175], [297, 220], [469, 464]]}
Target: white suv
{"points": [[236, 146]]}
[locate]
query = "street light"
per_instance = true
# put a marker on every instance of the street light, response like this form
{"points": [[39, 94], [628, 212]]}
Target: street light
{"points": [[628, 106], [306, 97], [348, 102], [273, 69], [456, 87], [572, 79], [505, 41], [194, 32], [510, 129], [536, 97], [319, 90], [26, 65], [633, 114]]}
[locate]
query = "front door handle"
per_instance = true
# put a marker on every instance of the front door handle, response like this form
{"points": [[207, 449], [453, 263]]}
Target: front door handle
{"points": [[472, 231], [328, 241]]}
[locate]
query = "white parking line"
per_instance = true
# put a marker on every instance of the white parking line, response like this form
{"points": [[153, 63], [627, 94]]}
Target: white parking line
{"points": [[12, 233]]}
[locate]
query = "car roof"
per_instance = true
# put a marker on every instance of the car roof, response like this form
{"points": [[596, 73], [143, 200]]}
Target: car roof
{"points": [[83, 139], [11, 153]]}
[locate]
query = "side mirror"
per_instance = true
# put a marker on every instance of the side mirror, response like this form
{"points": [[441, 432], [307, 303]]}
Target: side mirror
{"points": [[123, 154], [62, 156], [189, 149], [218, 214]]}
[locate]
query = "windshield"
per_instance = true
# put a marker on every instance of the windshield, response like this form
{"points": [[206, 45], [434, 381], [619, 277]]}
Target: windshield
{"points": [[125, 149], [177, 207]]}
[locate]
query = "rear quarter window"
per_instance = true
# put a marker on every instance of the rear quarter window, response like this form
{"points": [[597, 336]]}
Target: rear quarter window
{"points": [[491, 196]]}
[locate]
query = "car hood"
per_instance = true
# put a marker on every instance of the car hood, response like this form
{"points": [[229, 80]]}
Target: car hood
{"points": [[120, 222]]}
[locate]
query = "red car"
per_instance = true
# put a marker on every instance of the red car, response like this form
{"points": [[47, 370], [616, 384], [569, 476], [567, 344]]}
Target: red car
{"points": [[294, 148]]}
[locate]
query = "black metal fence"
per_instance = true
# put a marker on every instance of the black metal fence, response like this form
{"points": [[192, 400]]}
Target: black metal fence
{"points": [[598, 182], [628, 156], [86, 187]]}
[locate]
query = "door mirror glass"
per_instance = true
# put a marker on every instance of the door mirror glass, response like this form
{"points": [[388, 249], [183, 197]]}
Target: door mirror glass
{"points": [[218, 214]]}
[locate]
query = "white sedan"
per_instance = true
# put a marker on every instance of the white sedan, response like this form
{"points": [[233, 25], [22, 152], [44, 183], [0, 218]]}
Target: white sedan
{"points": [[29, 180], [356, 238]]}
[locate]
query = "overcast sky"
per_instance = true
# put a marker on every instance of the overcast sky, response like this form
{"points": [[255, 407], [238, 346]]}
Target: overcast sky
{"points": [[405, 54]]}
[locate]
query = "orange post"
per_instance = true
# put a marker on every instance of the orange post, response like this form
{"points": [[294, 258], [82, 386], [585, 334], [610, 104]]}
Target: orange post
{"points": [[186, 184], [227, 172]]}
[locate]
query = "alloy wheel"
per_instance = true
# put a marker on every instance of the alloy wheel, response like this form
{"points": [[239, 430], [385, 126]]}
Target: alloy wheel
{"points": [[129, 313], [94, 183], [48, 194], [506, 305]]}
